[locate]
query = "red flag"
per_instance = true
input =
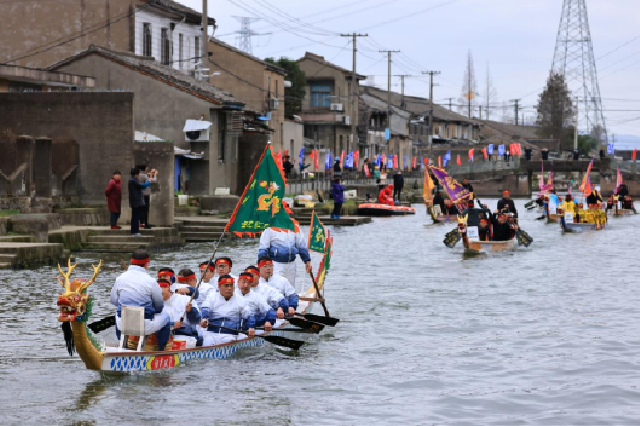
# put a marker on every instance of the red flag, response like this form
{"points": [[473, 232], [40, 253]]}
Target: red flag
{"points": [[395, 161], [484, 152], [439, 162], [366, 170], [633, 155], [279, 159], [356, 159], [458, 162], [342, 158], [519, 149], [425, 161], [315, 156], [384, 159], [471, 151], [415, 162], [286, 152]]}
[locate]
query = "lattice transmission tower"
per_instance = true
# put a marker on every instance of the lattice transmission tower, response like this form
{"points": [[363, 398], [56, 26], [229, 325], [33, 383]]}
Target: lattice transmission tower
{"points": [[574, 59], [245, 33]]}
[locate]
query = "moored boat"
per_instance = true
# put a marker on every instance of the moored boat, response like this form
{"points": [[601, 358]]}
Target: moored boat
{"points": [[379, 209]]}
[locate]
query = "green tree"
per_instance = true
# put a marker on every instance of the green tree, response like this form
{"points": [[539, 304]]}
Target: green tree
{"points": [[295, 94], [586, 143], [555, 111]]}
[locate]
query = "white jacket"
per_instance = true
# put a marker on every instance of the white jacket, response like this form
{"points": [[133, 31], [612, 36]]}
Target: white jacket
{"points": [[257, 304], [283, 246], [280, 283], [270, 294]]}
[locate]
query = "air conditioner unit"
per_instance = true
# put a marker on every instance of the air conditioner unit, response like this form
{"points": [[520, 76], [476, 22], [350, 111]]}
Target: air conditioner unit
{"points": [[273, 104], [346, 120], [196, 130], [335, 107]]}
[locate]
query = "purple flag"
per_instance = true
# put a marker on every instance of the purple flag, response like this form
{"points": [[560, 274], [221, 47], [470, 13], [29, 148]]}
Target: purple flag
{"points": [[454, 190]]}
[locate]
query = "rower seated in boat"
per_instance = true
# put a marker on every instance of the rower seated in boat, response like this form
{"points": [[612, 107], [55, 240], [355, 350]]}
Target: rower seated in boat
{"points": [[186, 284], [262, 312], [450, 209], [207, 272], [278, 282], [484, 230], [273, 297], [225, 315], [136, 288], [506, 204], [179, 306], [502, 231], [594, 198], [223, 267]]}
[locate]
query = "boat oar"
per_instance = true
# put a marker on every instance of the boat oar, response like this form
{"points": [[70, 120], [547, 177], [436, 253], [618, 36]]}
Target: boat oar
{"points": [[305, 325], [274, 340], [315, 286], [103, 324], [330, 321]]}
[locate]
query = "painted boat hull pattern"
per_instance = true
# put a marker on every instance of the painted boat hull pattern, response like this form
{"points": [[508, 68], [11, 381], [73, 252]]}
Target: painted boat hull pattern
{"points": [[379, 209]]}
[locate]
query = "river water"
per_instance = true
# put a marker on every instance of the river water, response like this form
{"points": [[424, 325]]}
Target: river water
{"points": [[544, 335]]}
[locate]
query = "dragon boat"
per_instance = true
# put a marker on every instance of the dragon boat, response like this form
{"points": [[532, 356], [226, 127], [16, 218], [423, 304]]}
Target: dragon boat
{"points": [[75, 308], [379, 209], [472, 245]]}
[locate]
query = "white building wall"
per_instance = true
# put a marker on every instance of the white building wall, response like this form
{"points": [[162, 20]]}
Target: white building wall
{"points": [[158, 22]]}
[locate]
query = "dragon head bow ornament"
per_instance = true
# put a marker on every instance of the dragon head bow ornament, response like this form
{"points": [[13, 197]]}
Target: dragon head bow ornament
{"points": [[73, 303]]}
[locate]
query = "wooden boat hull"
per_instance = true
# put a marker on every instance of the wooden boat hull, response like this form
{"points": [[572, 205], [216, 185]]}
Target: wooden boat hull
{"points": [[379, 209], [446, 219], [489, 246], [580, 227], [621, 212], [553, 218], [129, 361]]}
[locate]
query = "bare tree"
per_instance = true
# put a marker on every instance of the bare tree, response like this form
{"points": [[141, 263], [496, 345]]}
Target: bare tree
{"points": [[466, 102], [490, 95], [555, 111]]}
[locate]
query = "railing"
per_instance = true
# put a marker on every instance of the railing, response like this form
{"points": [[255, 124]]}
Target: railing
{"points": [[297, 183]]}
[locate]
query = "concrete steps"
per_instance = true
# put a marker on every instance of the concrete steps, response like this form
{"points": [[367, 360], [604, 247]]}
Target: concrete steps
{"points": [[17, 239], [7, 260], [202, 229], [118, 238], [24, 255]]}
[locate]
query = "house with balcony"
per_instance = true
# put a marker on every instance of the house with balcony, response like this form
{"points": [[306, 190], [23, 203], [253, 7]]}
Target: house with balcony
{"points": [[330, 109]]}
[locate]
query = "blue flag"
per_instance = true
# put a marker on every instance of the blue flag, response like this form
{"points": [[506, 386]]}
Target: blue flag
{"points": [[447, 156], [490, 149], [404, 164], [501, 150], [390, 162], [349, 161], [327, 160], [378, 160], [610, 150], [301, 156]]}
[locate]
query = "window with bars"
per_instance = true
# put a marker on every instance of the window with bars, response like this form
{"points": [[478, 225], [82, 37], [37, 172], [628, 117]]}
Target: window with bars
{"points": [[146, 39], [321, 94], [164, 46]]}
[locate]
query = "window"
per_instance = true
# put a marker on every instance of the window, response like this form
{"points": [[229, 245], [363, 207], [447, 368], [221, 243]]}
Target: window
{"points": [[181, 51], [276, 93], [164, 46], [268, 87], [320, 94], [146, 39], [221, 136]]}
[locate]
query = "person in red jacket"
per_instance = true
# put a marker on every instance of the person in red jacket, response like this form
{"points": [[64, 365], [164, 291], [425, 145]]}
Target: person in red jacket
{"points": [[114, 198]]}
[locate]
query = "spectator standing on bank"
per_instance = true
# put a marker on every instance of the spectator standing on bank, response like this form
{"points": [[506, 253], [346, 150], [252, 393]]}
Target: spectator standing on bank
{"points": [[287, 166], [398, 184], [114, 199], [337, 191], [136, 200], [337, 169], [144, 178]]}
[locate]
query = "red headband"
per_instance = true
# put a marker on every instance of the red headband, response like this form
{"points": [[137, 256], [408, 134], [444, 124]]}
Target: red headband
{"points": [[211, 267], [246, 276], [140, 262], [165, 274], [265, 262], [223, 262], [225, 281], [187, 278]]}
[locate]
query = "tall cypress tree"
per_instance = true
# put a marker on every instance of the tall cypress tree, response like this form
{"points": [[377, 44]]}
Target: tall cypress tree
{"points": [[555, 111]]}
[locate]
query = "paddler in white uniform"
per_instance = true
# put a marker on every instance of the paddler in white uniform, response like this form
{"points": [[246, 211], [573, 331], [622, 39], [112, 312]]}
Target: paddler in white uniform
{"points": [[278, 282], [223, 267], [263, 313], [273, 297], [176, 305], [283, 247], [225, 315]]}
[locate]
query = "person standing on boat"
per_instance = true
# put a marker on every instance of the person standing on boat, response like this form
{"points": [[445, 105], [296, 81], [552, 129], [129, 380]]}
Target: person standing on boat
{"points": [[506, 204], [224, 315], [466, 185], [262, 312], [473, 213], [136, 288], [398, 185], [438, 200], [501, 229], [283, 247], [593, 198], [623, 191], [175, 305], [278, 282]]}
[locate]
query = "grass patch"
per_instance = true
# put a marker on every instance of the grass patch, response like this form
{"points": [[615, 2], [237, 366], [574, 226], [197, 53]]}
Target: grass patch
{"points": [[9, 212]]}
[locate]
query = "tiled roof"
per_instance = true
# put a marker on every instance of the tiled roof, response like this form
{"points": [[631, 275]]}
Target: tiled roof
{"points": [[272, 67], [320, 59], [192, 15], [153, 69]]}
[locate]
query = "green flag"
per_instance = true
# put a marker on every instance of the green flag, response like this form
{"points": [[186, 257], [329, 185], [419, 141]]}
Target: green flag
{"points": [[315, 242], [261, 203], [323, 269]]}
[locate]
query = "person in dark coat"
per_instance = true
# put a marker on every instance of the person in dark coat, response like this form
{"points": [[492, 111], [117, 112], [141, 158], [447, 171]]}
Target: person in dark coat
{"points": [[136, 200], [398, 184], [450, 208], [466, 185], [438, 200], [287, 166], [484, 231], [473, 213], [501, 229], [623, 191], [337, 169], [114, 199], [337, 191], [601, 154], [594, 198], [506, 205]]}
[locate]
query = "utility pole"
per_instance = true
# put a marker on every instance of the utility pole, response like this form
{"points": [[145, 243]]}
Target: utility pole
{"points": [[402, 103], [517, 106], [389, 52], [480, 106], [355, 93], [450, 105], [431, 74], [205, 38]]}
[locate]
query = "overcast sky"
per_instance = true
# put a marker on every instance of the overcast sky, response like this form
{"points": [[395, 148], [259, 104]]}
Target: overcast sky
{"points": [[515, 38]]}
